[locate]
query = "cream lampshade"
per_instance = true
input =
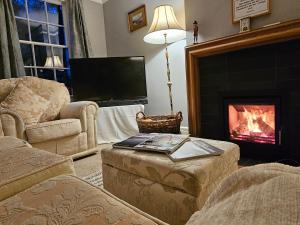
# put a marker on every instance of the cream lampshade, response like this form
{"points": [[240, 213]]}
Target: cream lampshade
{"points": [[165, 29], [164, 24], [57, 62]]}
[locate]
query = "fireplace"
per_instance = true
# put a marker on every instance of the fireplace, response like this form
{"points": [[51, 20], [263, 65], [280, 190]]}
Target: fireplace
{"points": [[253, 123], [245, 89]]}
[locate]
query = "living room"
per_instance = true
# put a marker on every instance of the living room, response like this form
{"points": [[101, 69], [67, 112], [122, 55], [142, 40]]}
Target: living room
{"points": [[86, 86]]}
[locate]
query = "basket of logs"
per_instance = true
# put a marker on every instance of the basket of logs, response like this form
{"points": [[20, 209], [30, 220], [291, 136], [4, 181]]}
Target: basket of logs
{"points": [[159, 124]]}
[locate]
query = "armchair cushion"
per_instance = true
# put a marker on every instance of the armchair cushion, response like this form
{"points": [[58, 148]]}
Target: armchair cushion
{"points": [[6, 86], [28, 105], [53, 130], [23, 167], [7, 143], [56, 93]]}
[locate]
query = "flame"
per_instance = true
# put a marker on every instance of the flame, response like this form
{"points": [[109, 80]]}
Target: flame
{"points": [[251, 118], [255, 123]]}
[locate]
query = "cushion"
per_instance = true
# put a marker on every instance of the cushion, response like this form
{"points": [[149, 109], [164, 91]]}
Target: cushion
{"points": [[56, 93], [6, 86], [8, 142], [53, 130], [28, 105], [266, 194], [23, 167], [190, 176], [69, 200], [65, 146]]}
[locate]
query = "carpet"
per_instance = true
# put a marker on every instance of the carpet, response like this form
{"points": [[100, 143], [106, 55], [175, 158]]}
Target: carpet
{"points": [[89, 168], [94, 179]]}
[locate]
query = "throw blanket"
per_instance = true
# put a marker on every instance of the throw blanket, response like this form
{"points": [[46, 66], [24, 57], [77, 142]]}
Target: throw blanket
{"points": [[266, 194], [117, 123]]}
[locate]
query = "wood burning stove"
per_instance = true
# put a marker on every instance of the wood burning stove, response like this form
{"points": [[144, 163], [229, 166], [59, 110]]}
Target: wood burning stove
{"points": [[254, 123]]}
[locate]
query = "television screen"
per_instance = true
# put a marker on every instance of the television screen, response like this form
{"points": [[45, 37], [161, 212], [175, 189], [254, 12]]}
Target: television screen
{"points": [[112, 81]]}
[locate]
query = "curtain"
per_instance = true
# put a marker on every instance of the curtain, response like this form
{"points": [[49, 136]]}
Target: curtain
{"points": [[11, 62], [78, 38]]}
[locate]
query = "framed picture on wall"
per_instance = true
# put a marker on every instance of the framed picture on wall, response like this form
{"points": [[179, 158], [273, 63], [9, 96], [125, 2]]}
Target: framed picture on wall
{"points": [[137, 18], [242, 9]]}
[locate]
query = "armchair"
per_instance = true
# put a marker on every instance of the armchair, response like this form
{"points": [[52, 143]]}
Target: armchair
{"points": [[64, 128]]}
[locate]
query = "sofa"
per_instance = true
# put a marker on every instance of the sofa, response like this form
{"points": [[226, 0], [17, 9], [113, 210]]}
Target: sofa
{"points": [[265, 194], [40, 188], [39, 111]]}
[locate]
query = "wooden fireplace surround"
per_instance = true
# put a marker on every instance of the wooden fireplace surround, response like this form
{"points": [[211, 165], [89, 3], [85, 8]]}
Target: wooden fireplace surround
{"points": [[267, 35]]}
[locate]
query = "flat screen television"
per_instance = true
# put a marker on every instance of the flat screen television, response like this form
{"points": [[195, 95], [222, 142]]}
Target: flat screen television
{"points": [[109, 81]]}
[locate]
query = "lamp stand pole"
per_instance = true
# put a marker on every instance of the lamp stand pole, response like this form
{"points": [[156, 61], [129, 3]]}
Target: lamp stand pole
{"points": [[169, 75]]}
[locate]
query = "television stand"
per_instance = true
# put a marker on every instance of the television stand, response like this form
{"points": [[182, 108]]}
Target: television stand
{"points": [[108, 103]]}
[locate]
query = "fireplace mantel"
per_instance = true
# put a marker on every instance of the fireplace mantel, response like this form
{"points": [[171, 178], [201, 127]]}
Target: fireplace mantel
{"points": [[267, 35]]}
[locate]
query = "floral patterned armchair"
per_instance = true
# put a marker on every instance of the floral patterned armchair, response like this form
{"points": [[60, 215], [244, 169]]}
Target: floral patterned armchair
{"points": [[39, 111]]}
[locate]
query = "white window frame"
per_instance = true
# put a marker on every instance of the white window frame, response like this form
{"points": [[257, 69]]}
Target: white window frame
{"points": [[33, 43]]}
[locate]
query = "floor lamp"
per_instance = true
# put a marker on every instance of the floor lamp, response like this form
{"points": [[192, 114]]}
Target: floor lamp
{"points": [[165, 30]]}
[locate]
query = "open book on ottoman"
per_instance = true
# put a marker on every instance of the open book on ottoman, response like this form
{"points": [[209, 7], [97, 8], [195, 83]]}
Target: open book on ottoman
{"points": [[154, 142], [177, 147], [195, 148]]}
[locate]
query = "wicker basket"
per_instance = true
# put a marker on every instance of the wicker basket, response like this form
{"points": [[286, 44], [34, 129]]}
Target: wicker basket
{"points": [[159, 124]]}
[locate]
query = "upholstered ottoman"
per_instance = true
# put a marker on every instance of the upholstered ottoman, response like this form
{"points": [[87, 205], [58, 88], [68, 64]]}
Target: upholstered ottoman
{"points": [[169, 191], [22, 166], [69, 200]]}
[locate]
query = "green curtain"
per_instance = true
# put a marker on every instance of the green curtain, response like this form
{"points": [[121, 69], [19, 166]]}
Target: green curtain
{"points": [[78, 38], [11, 62]]}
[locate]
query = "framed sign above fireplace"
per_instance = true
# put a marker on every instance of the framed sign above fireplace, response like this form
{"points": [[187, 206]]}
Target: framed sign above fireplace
{"points": [[249, 8]]}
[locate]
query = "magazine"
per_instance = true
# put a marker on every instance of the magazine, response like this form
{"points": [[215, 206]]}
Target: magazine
{"points": [[165, 143], [195, 148]]}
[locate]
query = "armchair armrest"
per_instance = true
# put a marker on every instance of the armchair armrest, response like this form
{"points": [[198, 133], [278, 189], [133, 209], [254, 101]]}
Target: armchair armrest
{"points": [[87, 112], [12, 124]]}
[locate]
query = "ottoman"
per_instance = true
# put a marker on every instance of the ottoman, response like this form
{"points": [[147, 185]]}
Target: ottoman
{"points": [[22, 166], [162, 188], [69, 200]]}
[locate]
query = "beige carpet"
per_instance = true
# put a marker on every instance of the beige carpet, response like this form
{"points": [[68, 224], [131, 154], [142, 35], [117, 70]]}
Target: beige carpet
{"points": [[90, 168]]}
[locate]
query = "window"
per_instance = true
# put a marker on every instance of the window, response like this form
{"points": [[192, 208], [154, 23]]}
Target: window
{"points": [[42, 39]]}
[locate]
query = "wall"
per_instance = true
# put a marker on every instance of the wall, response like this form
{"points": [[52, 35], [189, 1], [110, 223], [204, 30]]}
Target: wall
{"points": [[120, 42], [215, 17], [93, 12]]}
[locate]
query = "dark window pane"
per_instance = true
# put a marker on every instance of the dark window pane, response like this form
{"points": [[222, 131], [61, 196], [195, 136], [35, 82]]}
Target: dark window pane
{"points": [[54, 36], [36, 9], [29, 71], [19, 8], [55, 14], [64, 76], [41, 55], [39, 32], [27, 54], [22, 27], [46, 74], [57, 35]]}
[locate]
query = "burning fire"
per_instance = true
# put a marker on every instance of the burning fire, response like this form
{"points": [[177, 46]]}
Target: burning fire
{"points": [[255, 123]]}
